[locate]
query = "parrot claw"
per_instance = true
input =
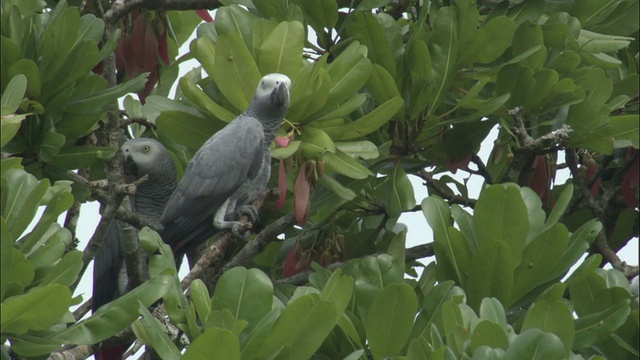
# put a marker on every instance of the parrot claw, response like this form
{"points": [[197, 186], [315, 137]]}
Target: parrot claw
{"points": [[236, 231], [249, 210]]}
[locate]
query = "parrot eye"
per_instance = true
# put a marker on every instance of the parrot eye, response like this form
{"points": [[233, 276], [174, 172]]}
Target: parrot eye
{"points": [[146, 148]]}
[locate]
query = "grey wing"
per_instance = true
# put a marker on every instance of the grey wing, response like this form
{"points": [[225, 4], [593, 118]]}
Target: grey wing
{"points": [[218, 169], [258, 185], [106, 268]]}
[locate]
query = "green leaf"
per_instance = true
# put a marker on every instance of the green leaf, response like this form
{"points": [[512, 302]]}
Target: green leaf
{"points": [[301, 328], [151, 331], [10, 124], [578, 243], [536, 262], [116, 315], [66, 271], [235, 72], [203, 102], [535, 345], [465, 223], [368, 123], [21, 195], [99, 101], [348, 73], [82, 156], [431, 313], [332, 184], [315, 143], [338, 291], [281, 51], [554, 317], [204, 50], [444, 50], [365, 28], [359, 149], [590, 114], [390, 320], [235, 19], [246, 293], [501, 214], [201, 299], [13, 94], [343, 110], [320, 14], [346, 165], [491, 309], [490, 273], [561, 205], [286, 152], [36, 310], [21, 274], [191, 131], [593, 328], [621, 131], [489, 42], [224, 342], [29, 69], [400, 195], [487, 333], [527, 36], [382, 85]]}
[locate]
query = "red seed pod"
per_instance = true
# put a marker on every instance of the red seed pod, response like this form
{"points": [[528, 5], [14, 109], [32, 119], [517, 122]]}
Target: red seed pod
{"points": [[282, 185], [302, 192]]}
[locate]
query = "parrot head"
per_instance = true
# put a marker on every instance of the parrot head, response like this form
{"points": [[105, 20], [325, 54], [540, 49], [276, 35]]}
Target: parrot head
{"points": [[274, 88], [145, 156]]}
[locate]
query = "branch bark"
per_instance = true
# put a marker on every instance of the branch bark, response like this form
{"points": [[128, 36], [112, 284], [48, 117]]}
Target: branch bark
{"points": [[445, 192], [120, 8]]}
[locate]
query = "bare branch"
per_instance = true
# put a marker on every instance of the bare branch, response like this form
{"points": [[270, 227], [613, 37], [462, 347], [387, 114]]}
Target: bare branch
{"points": [[445, 192], [542, 145], [120, 8], [482, 169]]}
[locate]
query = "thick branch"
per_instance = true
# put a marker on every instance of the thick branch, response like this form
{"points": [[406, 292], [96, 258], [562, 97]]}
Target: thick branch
{"points": [[445, 192], [120, 8], [542, 145]]}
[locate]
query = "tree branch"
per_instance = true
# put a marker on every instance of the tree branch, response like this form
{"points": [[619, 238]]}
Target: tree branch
{"points": [[544, 143], [445, 192], [121, 8], [482, 169]]}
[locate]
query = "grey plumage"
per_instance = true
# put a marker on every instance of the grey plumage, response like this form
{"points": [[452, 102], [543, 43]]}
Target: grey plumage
{"points": [[141, 157], [228, 171]]}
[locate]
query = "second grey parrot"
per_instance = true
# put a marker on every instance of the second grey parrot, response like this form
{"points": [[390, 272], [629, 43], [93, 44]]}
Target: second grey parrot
{"points": [[141, 157], [228, 171]]}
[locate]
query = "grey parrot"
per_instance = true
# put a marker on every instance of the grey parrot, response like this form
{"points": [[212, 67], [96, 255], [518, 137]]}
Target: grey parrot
{"points": [[141, 157], [228, 172]]}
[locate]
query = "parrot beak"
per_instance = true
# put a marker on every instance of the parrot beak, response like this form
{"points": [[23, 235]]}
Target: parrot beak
{"points": [[129, 165], [280, 95]]}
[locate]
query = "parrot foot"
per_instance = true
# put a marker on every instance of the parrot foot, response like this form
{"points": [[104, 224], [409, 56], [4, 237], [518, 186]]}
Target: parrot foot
{"points": [[249, 210]]}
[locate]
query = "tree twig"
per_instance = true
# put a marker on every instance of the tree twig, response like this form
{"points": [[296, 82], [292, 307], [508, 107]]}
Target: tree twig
{"points": [[445, 192], [120, 8], [542, 145]]}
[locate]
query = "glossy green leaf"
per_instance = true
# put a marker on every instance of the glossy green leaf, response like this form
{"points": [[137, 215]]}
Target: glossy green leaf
{"points": [[374, 273], [491, 309], [464, 220], [368, 123], [444, 51], [561, 205], [500, 214], [246, 293], [203, 102], [588, 115], [315, 143], [489, 42], [186, 129], [99, 101], [150, 329], [234, 18], [281, 51], [116, 315], [36, 310], [400, 196], [488, 333], [338, 291], [286, 152], [29, 69], [536, 262], [204, 50], [66, 271], [390, 320], [224, 342], [346, 165], [10, 125], [301, 328], [535, 345], [621, 131], [21, 195], [320, 14], [21, 275], [345, 109], [365, 28], [490, 273], [527, 11], [527, 36], [13, 94], [596, 327], [382, 85], [578, 243], [431, 312], [332, 184], [200, 298], [359, 149], [554, 317], [348, 73], [235, 72], [83, 156]]}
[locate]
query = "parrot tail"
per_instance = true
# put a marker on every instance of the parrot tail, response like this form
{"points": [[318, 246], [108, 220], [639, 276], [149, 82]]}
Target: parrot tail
{"points": [[111, 353]]}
